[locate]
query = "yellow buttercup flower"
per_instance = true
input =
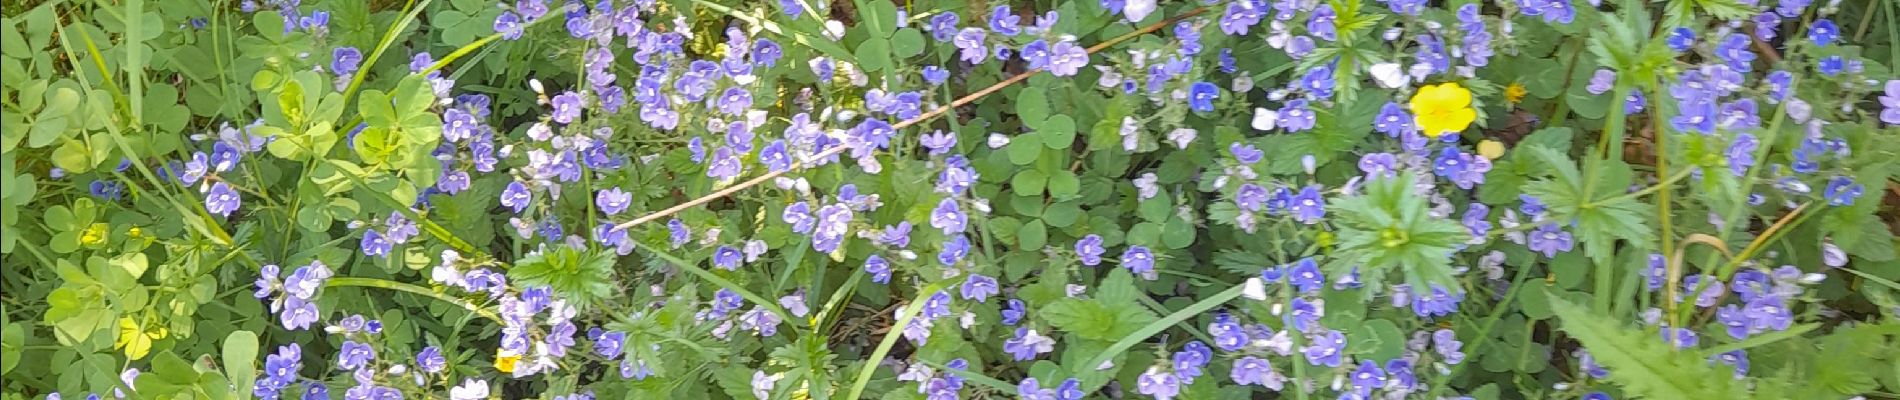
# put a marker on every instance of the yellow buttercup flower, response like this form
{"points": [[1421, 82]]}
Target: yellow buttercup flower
{"points": [[137, 341], [506, 362], [1441, 108], [1490, 149], [94, 235]]}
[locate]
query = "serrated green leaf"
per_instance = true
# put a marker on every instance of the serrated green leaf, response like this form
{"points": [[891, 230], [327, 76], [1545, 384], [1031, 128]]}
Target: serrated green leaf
{"points": [[1644, 365]]}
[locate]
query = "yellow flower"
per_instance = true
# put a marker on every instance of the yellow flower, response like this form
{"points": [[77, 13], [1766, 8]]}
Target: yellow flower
{"points": [[1514, 93], [136, 341], [94, 235], [506, 362], [1441, 108], [1490, 149]]}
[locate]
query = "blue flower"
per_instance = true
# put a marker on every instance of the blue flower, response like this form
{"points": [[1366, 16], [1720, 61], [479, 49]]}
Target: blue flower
{"points": [[1680, 38], [947, 217], [354, 355], [1824, 32], [1841, 191], [567, 107], [1089, 249], [1157, 383], [1067, 58], [1320, 24], [1734, 50], [879, 269], [1393, 120], [222, 200], [727, 258], [833, 222], [1368, 376], [979, 288], [430, 360], [375, 244], [1832, 65], [1250, 370], [1005, 22], [345, 60], [1550, 240], [1307, 207], [509, 25], [1295, 117], [613, 200], [1013, 312], [516, 196], [954, 249], [1139, 261], [1305, 276], [1026, 344], [1324, 348], [1201, 96]]}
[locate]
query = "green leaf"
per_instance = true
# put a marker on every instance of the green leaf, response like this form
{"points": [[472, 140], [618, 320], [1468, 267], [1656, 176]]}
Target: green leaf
{"points": [[1033, 235], [874, 54], [1058, 131], [1029, 182], [1642, 365], [1032, 106], [1064, 185], [1148, 330], [907, 42], [582, 276], [1023, 149], [240, 360], [1095, 319]]}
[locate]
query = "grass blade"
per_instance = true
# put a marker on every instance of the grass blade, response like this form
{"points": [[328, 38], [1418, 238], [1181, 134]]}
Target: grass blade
{"points": [[890, 338], [1156, 327]]}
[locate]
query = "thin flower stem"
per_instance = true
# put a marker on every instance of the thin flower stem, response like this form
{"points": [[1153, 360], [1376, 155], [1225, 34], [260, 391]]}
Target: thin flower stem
{"points": [[933, 113]]}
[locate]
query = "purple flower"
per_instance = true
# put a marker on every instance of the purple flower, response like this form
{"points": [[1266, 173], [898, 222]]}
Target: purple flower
{"points": [[1767, 313], [1067, 58], [953, 250], [1305, 276], [948, 217], [1157, 383], [1765, 25], [1201, 96], [943, 26], [1305, 315], [1324, 348], [222, 200], [567, 107], [610, 344], [727, 258], [1013, 312], [613, 200], [1368, 376], [345, 60], [1550, 240], [1824, 32], [979, 288], [1320, 24], [1250, 370], [939, 143], [1089, 249], [430, 360], [1242, 16], [1307, 206], [354, 355], [1005, 22], [374, 244], [879, 269], [1251, 197], [1680, 39], [1027, 344], [833, 222], [1295, 117], [1890, 103], [1841, 191], [1734, 50], [1602, 81], [1681, 338], [1139, 261], [970, 41], [1393, 121], [516, 196]]}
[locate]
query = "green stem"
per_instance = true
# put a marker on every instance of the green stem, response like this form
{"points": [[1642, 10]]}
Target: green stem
{"points": [[871, 364], [404, 287], [1484, 332]]}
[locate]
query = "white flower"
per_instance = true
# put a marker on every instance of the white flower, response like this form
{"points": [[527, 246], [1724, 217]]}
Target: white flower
{"points": [[998, 140], [471, 389], [1389, 75], [1182, 137], [1265, 119], [1832, 255], [1254, 289], [1137, 10]]}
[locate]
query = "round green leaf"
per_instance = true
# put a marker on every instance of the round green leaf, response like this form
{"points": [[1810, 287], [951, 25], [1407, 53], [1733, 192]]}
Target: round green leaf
{"points": [[1029, 182], [907, 42], [1032, 106], [1058, 131], [1033, 235], [1063, 184], [1023, 149]]}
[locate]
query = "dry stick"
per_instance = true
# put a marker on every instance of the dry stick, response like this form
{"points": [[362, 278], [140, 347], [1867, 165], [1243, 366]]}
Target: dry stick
{"points": [[959, 102]]}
